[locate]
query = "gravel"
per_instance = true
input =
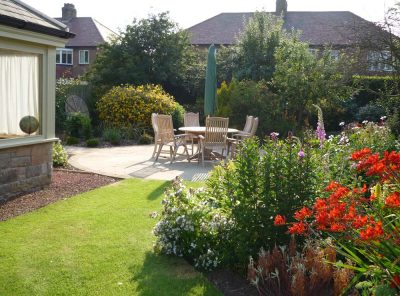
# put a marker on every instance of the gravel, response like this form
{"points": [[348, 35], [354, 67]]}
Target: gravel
{"points": [[64, 184]]}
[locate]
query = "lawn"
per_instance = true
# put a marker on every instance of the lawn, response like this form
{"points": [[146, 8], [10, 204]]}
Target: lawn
{"points": [[96, 243]]}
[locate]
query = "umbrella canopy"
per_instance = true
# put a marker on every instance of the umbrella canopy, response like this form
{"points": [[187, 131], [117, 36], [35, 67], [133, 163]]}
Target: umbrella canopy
{"points": [[210, 90]]}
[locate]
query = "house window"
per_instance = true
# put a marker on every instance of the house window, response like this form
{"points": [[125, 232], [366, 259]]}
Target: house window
{"points": [[380, 61], [335, 54], [83, 57], [64, 56], [19, 95]]}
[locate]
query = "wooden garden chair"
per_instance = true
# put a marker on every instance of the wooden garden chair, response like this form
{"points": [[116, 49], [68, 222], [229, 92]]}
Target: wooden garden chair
{"points": [[155, 129], [215, 137], [239, 137], [167, 137], [191, 119]]}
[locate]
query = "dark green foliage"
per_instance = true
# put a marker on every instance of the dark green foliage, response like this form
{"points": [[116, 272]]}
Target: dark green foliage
{"points": [[239, 99], [145, 139], [112, 135], [370, 112], [72, 140], [393, 122], [177, 116], [261, 186], [93, 142], [78, 125]]}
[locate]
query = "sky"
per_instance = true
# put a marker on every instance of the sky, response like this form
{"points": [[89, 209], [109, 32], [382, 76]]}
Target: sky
{"points": [[116, 14]]}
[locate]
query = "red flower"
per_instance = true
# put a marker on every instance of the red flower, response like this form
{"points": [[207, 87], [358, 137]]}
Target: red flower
{"points": [[279, 220], [361, 154], [302, 214], [359, 221], [374, 231], [297, 228], [336, 227], [332, 185], [395, 281], [393, 200]]}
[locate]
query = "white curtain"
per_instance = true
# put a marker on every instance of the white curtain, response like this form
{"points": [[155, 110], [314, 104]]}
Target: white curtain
{"points": [[19, 90]]}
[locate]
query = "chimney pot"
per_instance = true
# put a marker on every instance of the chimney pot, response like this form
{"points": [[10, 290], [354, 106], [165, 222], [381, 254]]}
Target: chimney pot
{"points": [[68, 12]]}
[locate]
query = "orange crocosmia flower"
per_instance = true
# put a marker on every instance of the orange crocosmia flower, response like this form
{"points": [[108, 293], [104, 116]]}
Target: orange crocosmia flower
{"points": [[279, 220], [332, 185], [374, 231], [336, 227], [298, 228], [376, 169], [320, 204], [361, 154], [393, 200], [351, 214], [303, 213], [339, 193], [322, 219], [359, 221]]}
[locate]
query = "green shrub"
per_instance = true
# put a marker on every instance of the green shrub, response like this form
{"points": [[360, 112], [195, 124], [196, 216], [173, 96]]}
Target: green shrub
{"points": [[370, 112], [232, 217], [238, 99], [145, 139], [112, 135], [78, 125], [93, 142], [72, 140], [60, 156], [63, 90], [128, 105]]}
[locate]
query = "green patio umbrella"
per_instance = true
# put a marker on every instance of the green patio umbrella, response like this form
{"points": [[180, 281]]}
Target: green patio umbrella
{"points": [[210, 89]]}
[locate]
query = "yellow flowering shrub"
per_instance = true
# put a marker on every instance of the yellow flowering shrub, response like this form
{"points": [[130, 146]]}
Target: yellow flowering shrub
{"points": [[132, 105]]}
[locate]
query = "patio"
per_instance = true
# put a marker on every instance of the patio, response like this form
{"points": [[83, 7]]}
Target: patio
{"points": [[135, 162]]}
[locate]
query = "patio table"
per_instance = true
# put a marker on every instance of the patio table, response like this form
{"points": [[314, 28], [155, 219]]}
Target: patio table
{"points": [[201, 130]]}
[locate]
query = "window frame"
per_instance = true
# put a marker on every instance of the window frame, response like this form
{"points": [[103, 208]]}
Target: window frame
{"points": [[47, 58], [59, 55], [88, 57]]}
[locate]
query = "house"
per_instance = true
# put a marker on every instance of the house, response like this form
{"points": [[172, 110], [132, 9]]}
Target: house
{"points": [[340, 30], [28, 42], [80, 52]]}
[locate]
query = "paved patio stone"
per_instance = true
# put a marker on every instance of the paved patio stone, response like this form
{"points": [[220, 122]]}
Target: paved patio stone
{"points": [[136, 162]]}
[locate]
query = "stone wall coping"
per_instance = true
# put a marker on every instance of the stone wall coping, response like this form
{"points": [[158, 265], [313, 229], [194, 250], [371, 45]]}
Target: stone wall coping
{"points": [[18, 142]]}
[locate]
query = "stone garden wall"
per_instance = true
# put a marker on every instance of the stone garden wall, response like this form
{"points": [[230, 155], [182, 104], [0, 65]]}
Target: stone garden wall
{"points": [[24, 169]]}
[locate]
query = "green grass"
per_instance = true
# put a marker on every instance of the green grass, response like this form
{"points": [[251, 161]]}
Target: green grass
{"points": [[96, 243]]}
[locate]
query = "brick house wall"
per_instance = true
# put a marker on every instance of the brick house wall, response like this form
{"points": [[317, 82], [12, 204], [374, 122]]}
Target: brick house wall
{"points": [[76, 69]]}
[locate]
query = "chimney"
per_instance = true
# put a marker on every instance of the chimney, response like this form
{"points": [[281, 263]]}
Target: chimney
{"points": [[281, 7], [68, 12]]}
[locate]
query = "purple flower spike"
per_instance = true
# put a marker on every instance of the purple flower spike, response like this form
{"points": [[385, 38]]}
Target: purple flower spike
{"points": [[320, 134]]}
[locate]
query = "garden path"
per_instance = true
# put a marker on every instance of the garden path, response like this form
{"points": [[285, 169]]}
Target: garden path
{"points": [[135, 162]]}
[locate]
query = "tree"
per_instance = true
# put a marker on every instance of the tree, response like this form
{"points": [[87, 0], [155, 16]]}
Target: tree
{"points": [[302, 79], [151, 50], [253, 57]]}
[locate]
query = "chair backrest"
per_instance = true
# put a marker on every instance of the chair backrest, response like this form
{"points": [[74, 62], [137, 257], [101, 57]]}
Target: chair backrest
{"points": [[165, 128], [191, 119], [216, 131], [254, 126], [248, 124], [154, 122]]}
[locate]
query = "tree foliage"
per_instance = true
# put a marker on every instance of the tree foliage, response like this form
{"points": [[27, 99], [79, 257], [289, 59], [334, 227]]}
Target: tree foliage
{"points": [[253, 57], [302, 79], [152, 50]]}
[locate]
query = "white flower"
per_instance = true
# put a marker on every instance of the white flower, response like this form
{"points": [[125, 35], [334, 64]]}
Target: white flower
{"points": [[341, 124], [365, 122], [383, 118]]}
